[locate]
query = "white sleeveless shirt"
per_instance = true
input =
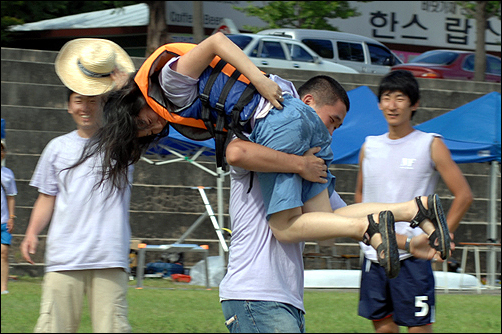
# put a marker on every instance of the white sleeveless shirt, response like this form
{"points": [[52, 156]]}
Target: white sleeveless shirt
{"points": [[397, 171]]}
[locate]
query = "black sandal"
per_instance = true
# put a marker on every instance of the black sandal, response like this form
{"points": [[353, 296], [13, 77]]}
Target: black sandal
{"points": [[436, 215], [387, 251]]}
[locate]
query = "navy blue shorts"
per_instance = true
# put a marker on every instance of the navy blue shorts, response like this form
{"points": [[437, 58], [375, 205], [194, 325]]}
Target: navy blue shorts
{"points": [[408, 298]]}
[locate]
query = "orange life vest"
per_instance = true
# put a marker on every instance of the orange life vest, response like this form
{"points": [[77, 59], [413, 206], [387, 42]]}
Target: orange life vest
{"points": [[226, 102]]}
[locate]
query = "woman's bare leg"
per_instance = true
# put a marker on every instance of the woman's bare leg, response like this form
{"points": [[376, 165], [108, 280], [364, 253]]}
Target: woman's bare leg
{"points": [[316, 221], [404, 211]]}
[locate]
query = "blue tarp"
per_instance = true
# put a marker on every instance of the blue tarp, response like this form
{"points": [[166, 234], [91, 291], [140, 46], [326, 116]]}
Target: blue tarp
{"points": [[472, 131], [182, 145], [363, 119]]}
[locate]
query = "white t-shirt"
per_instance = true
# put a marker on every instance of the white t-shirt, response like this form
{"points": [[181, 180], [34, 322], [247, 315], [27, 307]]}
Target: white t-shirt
{"points": [[89, 228], [397, 171], [8, 189], [259, 266]]}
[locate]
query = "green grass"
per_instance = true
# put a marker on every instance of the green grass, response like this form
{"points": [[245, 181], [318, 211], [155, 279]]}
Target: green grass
{"points": [[164, 307]]}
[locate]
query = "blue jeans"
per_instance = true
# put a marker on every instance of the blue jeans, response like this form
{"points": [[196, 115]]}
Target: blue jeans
{"points": [[246, 316]]}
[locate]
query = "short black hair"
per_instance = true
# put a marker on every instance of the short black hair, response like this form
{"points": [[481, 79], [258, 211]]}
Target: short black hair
{"points": [[400, 81], [69, 92], [325, 90]]}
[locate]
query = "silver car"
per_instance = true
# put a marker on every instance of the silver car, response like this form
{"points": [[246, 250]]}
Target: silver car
{"points": [[361, 53], [281, 52]]}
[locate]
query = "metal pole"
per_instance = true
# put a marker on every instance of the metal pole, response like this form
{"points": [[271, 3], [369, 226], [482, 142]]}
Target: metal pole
{"points": [[219, 192], [140, 268], [209, 210], [191, 228], [492, 225]]}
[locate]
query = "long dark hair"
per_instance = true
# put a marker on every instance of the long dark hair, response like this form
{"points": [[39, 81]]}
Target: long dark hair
{"points": [[117, 142]]}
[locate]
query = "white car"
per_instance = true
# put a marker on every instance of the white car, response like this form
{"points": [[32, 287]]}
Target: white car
{"points": [[361, 53], [282, 52]]}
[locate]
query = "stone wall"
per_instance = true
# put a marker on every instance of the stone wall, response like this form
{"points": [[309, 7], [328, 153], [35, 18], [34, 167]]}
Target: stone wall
{"points": [[164, 204]]}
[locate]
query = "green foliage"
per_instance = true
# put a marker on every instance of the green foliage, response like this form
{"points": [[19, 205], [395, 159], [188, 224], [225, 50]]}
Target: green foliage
{"points": [[492, 8], [166, 307], [299, 14]]}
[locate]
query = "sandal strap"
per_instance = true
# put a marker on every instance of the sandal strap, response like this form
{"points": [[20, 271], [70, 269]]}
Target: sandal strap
{"points": [[432, 241], [422, 213], [372, 229]]}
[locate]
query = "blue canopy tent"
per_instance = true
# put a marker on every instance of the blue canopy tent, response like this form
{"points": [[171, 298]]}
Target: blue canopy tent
{"points": [[176, 147], [472, 133], [363, 119]]}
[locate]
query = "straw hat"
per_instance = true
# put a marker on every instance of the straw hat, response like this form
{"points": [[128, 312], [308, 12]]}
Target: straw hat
{"points": [[84, 65]]}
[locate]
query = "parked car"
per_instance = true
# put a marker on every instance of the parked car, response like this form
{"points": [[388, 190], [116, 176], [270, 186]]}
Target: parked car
{"points": [[450, 64], [361, 53], [279, 52]]}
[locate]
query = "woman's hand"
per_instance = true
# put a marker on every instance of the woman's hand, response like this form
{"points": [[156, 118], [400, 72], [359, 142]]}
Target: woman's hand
{"points": [[270, 90], [119, 77]]}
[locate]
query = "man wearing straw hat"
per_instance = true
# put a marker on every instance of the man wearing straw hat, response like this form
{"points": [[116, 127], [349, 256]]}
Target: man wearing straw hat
{"points": [[87, 244]]}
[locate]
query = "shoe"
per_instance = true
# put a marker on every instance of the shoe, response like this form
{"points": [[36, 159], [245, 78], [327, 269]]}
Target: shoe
{"points": [[4, 292], [440, 238], [387, 251]]}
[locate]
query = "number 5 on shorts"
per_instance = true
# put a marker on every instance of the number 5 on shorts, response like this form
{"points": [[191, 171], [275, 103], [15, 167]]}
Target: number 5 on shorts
{"points": [[421, 303]]}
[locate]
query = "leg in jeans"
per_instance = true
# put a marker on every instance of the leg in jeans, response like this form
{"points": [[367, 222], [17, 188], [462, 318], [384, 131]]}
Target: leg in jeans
{"points": [[243, 316]]}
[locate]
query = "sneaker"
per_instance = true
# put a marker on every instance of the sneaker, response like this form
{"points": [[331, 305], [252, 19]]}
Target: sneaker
{"points": [[4, 292]]}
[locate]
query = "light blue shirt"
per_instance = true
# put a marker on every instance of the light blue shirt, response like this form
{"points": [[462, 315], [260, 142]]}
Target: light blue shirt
{"points": [[8, 189]]}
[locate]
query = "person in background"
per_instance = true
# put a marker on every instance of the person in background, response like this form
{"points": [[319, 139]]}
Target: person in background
{"points": [[400, 165], [9, 192], [87, 247]]}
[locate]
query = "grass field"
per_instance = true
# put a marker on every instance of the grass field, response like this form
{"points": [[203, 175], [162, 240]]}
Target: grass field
{"points": [[165, 307]]}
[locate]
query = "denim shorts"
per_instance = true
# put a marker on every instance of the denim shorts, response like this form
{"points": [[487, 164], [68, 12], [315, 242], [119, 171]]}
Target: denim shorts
{"points": [[294, 129], [246, 316], [6, 236]]}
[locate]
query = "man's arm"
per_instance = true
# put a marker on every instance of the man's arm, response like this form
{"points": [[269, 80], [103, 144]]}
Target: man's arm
{"points": [[258, 158], [454, 180], [40, 217], [358, 195], [11, 205]]}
